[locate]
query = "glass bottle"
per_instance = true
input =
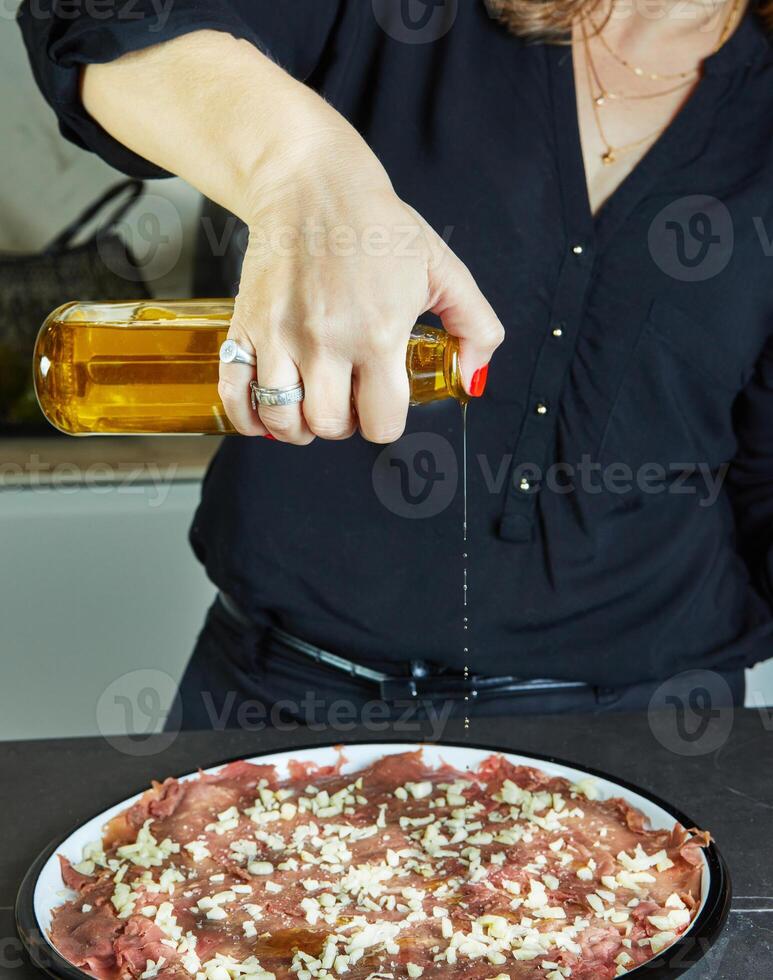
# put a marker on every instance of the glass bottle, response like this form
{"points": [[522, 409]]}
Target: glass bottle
{"points": [[152, 367]]}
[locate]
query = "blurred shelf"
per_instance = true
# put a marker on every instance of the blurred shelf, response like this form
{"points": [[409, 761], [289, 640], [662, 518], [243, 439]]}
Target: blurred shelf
{"points": [[47, 461]]}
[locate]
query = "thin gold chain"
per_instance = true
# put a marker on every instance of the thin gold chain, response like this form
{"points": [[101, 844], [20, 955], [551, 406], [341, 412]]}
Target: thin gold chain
{"points": [[640, 72], [612, 151], [654, 76], [605, 94]]}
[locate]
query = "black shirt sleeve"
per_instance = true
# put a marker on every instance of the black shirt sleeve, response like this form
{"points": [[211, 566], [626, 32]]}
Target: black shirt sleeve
{"points": [[61, 37], [751, 474]]}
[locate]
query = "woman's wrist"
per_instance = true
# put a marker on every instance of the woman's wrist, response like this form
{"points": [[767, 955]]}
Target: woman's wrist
{"points": [[307, 156], [312, 162]]}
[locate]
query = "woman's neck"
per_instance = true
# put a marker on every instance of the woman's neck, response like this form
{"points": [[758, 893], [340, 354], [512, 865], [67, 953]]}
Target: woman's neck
{"points": [[637, 63], [667, 35]]}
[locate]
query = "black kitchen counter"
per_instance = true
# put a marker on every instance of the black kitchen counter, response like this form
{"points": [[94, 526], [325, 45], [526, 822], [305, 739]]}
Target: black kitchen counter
{"points": [[49, 786]]}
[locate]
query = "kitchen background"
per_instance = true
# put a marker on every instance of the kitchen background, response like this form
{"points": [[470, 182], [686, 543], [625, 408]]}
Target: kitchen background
{"points": [[96, 579]]}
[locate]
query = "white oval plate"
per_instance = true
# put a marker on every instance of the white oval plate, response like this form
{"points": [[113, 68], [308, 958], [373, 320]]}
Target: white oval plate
{"points": [[47, 891]]}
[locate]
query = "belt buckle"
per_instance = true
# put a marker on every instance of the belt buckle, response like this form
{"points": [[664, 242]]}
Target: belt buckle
{"points": [[398, 688], [454, 688]]}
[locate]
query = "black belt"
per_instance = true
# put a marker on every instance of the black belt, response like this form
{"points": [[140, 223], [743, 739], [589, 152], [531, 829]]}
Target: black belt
{"points": [[424, 680]]}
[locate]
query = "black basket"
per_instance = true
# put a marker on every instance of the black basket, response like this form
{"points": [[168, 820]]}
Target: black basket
{"points": [[32, 285]]}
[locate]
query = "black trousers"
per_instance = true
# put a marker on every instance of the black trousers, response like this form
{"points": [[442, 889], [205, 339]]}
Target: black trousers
{"points": [[244, 677]]}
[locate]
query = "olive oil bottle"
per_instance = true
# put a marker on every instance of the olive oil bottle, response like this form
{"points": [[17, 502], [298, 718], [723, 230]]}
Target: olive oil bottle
{"points": [[152, 367]]}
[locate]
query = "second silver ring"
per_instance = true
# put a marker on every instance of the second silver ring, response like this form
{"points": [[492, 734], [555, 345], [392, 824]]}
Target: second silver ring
{"points": [[288, 395]]}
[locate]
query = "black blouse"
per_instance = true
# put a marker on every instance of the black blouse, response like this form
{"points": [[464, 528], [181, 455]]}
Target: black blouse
{"points": [[621, 461]]}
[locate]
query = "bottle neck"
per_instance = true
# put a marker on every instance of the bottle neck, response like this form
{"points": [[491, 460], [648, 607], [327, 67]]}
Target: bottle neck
{"points": [[453, 371]]}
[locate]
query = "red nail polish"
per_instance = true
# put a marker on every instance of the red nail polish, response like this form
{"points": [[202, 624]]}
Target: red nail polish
{"points": [[478, 383], [269, 436]]}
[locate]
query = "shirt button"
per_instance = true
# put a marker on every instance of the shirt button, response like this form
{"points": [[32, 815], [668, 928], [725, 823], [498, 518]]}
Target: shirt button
{"points": [[558, 332], [577, 249], [524, 485], [542, 408]]}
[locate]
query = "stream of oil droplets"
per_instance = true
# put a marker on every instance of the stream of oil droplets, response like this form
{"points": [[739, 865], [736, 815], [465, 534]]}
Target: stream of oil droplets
{"points": [[465, 618]]}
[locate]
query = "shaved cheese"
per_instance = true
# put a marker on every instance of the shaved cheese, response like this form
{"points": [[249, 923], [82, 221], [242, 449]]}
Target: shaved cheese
{"points": [[453, 849]]}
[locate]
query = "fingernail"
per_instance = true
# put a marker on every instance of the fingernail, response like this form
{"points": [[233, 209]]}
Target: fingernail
{"points": [[269, 436], [478, 383]]}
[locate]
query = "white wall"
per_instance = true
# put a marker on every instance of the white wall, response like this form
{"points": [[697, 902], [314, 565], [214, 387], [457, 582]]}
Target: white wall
{"points": [[760, 685], [95, 583]]}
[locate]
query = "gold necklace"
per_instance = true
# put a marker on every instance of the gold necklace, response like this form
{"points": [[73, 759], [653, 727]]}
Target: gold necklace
{"points": [[654, 76], [611, 151], [605, 95]]}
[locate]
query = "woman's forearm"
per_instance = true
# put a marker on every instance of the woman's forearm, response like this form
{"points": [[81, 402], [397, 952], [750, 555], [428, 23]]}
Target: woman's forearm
{"points": [[218, 113]]}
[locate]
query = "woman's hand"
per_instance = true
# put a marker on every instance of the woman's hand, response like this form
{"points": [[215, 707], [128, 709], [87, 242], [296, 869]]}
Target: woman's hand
{"points": [[337, 268], [337, 271]]}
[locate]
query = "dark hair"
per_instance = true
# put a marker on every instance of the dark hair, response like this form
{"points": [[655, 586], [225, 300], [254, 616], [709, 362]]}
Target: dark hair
{"points": [[553, 19]]}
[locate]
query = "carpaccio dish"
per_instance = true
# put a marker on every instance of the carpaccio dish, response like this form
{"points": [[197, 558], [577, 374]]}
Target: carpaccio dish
{"points": [[397, 870]]}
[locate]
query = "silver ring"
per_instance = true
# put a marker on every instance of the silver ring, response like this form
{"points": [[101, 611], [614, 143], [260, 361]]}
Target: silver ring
{"points": [[289, 395], [232, 353]]}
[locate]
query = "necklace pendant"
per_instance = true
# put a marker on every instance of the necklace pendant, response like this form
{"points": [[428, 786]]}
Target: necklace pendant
{"points": [[609, 157]]}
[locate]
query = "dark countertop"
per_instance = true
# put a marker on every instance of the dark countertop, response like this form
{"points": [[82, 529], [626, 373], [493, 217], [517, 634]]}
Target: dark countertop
{"points": [[49, 786]]}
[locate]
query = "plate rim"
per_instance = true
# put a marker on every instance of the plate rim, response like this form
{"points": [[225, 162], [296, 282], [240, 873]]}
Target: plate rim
{"points": [[681, 956]]}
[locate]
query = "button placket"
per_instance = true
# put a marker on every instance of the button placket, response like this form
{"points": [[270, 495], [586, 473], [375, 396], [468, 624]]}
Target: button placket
{"points": [[538, 428]]}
